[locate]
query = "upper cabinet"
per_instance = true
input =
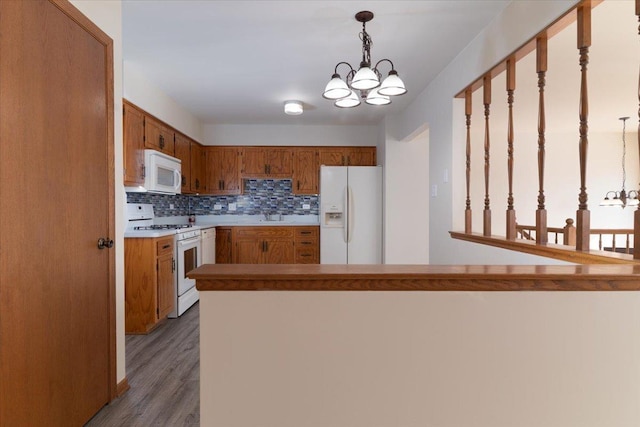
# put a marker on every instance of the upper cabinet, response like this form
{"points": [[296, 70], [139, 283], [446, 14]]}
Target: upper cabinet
{"points": [[158, 136], [183, 152], [267, 162], [347, 156], [305, 170], [198, 168], [133, 140], [223, 170]]}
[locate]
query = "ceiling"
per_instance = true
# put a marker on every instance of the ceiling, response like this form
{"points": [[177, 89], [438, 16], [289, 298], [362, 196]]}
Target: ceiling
{"points": [[236, 62]]}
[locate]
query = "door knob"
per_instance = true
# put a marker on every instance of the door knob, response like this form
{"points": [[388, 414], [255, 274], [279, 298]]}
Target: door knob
{"points": [[105, 243]]}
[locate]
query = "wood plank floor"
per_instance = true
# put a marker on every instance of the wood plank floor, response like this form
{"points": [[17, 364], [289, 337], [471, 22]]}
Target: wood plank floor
{"points": [[163, 371]]}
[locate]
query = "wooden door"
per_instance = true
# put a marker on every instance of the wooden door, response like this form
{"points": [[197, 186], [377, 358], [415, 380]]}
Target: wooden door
{"points": [[249, 252], [278, 252], [254, 162], [305, 171], [158, 137], [279, 162], [166, 287], [223, 170], [361, 156], [57, 327], [197, 168], [332, 156], [133, 141], [223, 245], [182, 151]]}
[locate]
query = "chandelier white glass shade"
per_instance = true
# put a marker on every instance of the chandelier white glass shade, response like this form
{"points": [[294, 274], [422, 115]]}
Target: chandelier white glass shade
{"points": [[366, 80], [621, 198], [293, 108]]}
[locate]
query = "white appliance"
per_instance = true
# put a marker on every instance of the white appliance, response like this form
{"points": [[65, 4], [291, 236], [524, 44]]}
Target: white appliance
{"points": [[351, 215], [187, 254], [162, 174], [209, 245]]}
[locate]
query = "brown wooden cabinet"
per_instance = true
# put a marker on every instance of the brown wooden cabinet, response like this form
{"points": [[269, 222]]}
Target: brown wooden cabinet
{"points": [[307, 245], [198, 168], [267, 162], [158, 136], [149, 282], [182, 150], [133, 141], [305, 171], [224, 253], [223, 170], [263, 245], [347, 156]]}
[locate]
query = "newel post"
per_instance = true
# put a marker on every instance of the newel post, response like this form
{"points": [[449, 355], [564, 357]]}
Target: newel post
{"points": [[467, 113], [487, 105], [511, 86], [636, 214], [583, 218], [541, 67], [569, 233]]}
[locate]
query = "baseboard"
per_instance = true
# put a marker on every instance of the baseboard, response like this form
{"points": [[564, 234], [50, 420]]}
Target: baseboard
{"points": [[122, 387]]}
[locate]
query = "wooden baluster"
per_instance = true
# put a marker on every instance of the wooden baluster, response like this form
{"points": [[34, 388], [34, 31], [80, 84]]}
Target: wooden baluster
{"points": [[583, 217], [467, 113], [541, 68], [511, 86], [600, 241], [487, 106], [569, 234], [613, 243], [636, 214], [627, 247]]}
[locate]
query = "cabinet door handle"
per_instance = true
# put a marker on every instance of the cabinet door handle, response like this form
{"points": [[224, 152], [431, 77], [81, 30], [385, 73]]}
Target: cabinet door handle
{"points": [[348, 160], [298, 185], [305, 232], [269, 169], [167, 246], [105, 243], [197, 183], [173, 264], [184, 180], [161, 141], [343, 164], [223, 184]]}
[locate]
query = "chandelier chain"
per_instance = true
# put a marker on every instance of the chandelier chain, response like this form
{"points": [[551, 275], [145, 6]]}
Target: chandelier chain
{"points": [[624, 152]]}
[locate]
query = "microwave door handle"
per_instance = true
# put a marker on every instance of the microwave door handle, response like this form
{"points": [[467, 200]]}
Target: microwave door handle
{"points": [[177, 180]]}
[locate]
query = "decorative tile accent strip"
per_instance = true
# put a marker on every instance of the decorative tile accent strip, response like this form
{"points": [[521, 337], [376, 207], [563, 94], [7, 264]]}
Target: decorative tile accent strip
{"points": [[261, 196]]}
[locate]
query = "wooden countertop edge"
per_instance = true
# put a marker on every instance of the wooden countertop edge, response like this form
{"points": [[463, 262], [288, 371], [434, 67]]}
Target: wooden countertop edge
{"points": [[246, 277]]}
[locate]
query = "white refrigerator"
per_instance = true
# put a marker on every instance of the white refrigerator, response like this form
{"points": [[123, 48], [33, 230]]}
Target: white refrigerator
{"points": [[351, 215]]}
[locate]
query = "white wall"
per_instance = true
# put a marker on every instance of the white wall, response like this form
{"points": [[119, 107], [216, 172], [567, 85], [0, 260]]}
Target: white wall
{"points": [[290, 135], [406, 198], [416, 359], [518, 22], [107, 14], [141, 92]]}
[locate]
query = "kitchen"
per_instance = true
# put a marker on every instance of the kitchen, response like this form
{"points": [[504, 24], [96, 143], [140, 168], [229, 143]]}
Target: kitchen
{"points": [[264, 207]]}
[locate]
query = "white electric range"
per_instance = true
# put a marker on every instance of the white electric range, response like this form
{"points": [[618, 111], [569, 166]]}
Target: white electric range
{"points": [[141, 223]]}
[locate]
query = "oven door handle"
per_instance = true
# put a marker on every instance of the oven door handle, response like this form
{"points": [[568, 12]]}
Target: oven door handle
{"points": [[189, 241]]}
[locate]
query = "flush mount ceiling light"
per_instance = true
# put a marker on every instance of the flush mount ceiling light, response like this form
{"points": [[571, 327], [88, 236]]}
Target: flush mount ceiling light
{"points": [[293, 108], [366, 80], [621, 198]]}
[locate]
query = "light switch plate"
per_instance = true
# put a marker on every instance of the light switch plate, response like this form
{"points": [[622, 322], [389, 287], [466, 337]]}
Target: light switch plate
{"points": [[232, 206], [306, 206], [434, 190], [217, 207]]}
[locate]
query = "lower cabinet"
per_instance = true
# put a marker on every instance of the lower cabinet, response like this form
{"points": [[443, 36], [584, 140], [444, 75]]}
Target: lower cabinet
{"points": [[307, 245], [149, 282], [263, 245], [223, 245]]}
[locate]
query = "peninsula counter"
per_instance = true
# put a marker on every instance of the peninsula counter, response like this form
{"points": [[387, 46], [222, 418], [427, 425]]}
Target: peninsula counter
{"points": [[389, 345]]}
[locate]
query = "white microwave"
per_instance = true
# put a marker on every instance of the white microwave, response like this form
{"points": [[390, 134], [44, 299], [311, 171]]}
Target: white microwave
{"points": [[162, 174]]}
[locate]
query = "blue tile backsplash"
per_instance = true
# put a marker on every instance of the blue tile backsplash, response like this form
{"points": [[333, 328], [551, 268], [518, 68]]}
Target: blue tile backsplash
{"points": [[260, 196]]}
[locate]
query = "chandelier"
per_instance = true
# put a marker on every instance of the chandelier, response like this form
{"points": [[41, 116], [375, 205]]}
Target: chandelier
{"points": [[366, 81], [622, 198]]}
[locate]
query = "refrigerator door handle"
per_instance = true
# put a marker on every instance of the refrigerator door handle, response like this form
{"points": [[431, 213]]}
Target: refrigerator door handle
{"points": [[345, 226], [350, 214]]}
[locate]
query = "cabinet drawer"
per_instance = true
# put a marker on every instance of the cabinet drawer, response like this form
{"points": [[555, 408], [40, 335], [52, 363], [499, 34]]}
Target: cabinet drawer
{"points": [[307, 255], [306, 233], [164, 246]]}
